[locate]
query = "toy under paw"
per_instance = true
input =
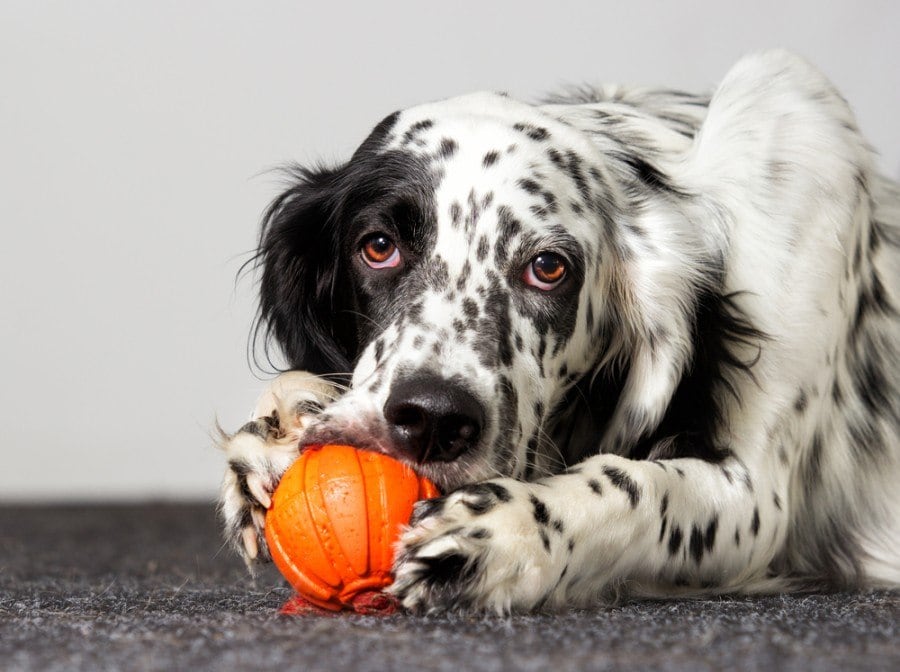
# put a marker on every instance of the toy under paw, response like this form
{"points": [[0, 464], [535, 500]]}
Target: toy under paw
{"points": [[334, 521]]}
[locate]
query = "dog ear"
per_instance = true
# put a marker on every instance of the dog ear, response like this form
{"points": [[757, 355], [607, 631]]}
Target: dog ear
{"points": [[303, 307]]}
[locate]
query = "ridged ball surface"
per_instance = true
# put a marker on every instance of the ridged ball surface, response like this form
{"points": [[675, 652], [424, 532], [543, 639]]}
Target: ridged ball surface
{"points": [[335, 518]]}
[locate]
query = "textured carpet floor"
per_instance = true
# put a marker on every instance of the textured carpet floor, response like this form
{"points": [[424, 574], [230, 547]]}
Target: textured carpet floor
{"points": [[143, 588]]}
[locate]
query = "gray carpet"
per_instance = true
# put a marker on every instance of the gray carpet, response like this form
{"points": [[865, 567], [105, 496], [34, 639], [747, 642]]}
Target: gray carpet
{"points": [[144, 588]]}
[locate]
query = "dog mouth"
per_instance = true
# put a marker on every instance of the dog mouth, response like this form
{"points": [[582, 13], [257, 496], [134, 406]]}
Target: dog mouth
{"points": [[447, 474]]}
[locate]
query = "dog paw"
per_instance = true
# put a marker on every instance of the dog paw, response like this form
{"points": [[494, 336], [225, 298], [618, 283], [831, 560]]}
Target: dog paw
{"points": [[261, 451], [491, 546]]}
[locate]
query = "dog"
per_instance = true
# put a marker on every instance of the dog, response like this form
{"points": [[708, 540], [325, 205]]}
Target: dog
{"points": [[646, 342]]}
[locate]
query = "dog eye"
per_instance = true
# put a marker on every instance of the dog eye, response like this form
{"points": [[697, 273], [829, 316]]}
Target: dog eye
{"points": [[545, 271], [379, 251]]}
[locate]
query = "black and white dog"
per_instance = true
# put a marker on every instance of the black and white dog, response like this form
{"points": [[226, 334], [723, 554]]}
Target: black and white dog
{"points": [[646, 340]]}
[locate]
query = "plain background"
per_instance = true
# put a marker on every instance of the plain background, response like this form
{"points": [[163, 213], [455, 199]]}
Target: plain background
{"points": [[135, 140]]}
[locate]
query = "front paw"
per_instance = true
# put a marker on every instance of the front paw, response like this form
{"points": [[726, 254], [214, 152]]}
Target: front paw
{"points": [[489, 546], [258, 454], [261, 451]]}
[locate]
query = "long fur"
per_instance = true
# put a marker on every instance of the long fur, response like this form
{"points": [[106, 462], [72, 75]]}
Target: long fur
{"points": [[707, 403]]}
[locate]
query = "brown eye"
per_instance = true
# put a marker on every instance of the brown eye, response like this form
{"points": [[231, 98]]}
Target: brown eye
{"points": [[545, 271], [379, 251]]}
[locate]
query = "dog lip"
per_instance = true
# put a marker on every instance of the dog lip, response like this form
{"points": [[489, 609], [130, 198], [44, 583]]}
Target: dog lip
{"points": [[316, 437]]}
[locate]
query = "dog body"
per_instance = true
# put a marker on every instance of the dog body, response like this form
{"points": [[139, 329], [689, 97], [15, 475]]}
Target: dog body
{"points": [[645, 340]]}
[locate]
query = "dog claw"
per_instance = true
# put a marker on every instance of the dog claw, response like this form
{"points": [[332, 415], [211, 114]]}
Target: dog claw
{"points": [[259, 518], [259, 492], [251, 545]]}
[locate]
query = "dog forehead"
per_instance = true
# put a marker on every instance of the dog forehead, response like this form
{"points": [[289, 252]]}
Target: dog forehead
{"points": [[481, 108], [482, 121]]}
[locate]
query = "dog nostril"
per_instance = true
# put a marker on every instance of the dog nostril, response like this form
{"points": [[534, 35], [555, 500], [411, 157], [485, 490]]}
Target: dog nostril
{"points": [[455, 435]]}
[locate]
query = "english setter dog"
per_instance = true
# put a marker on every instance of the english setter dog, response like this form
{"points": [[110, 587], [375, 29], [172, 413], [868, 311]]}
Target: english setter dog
{"points": [[643, 340]]}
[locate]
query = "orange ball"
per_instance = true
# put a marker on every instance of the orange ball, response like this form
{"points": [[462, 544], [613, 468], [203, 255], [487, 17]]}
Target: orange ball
{"points": [[334, 521]]}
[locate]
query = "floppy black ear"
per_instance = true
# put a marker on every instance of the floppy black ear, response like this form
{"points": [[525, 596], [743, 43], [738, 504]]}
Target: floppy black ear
{"points": [[302, 305]]}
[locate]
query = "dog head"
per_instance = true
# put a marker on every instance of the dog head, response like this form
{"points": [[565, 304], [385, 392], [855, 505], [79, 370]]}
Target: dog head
{"points": [[464, 271]]}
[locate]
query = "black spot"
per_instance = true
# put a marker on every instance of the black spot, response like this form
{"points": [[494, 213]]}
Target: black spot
{"points": [[414, 311], [649, 175], [529, 186], [709, 539], [696, 544], [836, 394], [813, 466], [463, 278], [448, 148], [484, 247], [482, 497], [439, 275], [258, 428], [664, 505], [870, 381], [426, 508], [455, 214], [662, 529], [776, 500], [675, 540], [416, 129], [558, 526], [594, 485], [737, 537], [540, 512], [490, 158], [555, 157], [379, 350], [480, 533], [872, 301], [508, 228], [545, 540], [470, 308], [573, 168], [754, 524], [534, 132], [745, 478], [801, 402], [571, 544], [625, 483]]}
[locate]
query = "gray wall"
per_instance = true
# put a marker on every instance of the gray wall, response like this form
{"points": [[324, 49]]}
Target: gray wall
{"points": [[133, 140]]}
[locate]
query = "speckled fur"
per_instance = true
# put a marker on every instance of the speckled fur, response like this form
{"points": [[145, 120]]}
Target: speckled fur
{"points": [[708, 403]]}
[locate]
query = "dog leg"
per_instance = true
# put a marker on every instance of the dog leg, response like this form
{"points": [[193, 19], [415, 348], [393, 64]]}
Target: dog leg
{"points": [[657, 527]]}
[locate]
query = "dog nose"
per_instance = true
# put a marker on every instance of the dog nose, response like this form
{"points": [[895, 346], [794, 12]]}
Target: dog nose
{"points": [[433, 419]]}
